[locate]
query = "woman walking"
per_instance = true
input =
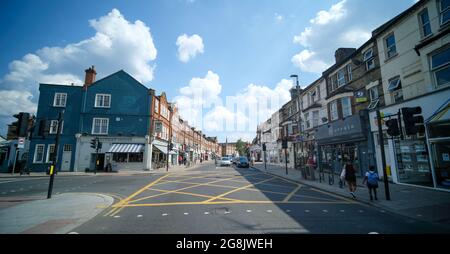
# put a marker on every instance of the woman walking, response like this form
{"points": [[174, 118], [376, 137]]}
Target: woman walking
{"points": [[350, 178]]}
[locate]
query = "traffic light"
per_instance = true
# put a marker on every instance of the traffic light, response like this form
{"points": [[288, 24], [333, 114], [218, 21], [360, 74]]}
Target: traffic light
{"points": [[99, 145], [21, 125], [94, 143], [264, 147], [44, 128], [410, 120], [393, 129]]}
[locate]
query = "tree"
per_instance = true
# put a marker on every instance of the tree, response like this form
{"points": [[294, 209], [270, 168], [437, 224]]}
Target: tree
{"points": [[242, 148]]}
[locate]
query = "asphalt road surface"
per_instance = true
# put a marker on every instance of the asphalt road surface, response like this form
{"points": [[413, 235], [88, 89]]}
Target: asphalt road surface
{"points": [[219, 200]]}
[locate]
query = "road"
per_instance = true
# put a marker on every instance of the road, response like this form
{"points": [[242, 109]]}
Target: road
{"points": [[224, 200]]}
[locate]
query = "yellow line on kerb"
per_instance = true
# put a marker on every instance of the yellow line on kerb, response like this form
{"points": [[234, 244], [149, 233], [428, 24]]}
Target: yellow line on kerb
{"points": [[125, 201]]}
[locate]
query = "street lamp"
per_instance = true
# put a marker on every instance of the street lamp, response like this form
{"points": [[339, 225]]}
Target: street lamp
{"points": [[295, 119]]}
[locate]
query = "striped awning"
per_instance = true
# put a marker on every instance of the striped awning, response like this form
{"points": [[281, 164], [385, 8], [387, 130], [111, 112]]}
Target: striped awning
{"points": [[126, 148]]}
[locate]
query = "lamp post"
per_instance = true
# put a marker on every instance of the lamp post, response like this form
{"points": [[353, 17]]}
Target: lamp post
{"points": [[295, 119]]}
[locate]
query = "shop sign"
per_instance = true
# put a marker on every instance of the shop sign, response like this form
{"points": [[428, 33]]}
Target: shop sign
{"points": [[341, 130], [360, 96]]}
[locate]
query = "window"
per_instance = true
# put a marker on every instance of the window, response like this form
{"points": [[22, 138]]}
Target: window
{"points": [[369, 59], [444, 11], [308, 122], [54, 127], [315, 118], [102, 100], [60, 100], [313, 97], [67, 148], [156, 105], [50, 153], [394, 84], [38, 154], [394, 87], [341, 77], [346, 107], [100, 126], [391, 49], [349, 71], [334, 111], [374, 97], [440, 67], [425, 23]]}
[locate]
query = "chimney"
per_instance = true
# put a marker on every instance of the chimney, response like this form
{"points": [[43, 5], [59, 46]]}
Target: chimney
{"points": [[342, 53], [90, 76]]}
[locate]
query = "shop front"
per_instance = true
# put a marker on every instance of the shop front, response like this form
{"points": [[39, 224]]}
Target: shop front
{"points": [[344, 140], [117, 153], [438, 132], [421, 159]]}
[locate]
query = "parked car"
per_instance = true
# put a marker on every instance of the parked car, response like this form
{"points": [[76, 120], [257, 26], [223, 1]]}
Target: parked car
{"points": [[225, 161], [235, 160], [242, 162]]}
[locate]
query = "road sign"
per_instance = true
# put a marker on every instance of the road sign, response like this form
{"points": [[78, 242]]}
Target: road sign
{"points": [[21, 143]]}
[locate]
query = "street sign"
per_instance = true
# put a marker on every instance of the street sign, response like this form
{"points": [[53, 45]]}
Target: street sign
{"points": [[21, 143]]}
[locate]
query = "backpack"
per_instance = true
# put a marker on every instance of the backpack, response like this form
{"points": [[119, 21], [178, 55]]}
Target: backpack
{"points": [[372, 178]]}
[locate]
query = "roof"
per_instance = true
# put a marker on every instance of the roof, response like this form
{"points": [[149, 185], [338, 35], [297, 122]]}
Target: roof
{"points": [[397, 18]]}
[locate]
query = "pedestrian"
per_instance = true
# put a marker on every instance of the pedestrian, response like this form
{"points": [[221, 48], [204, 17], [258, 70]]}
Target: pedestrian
{"points": [[311, 166], [371, 178], [350, 177]]}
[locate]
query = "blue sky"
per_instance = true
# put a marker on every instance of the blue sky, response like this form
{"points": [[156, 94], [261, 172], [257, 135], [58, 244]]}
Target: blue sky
{"points": [[248, 48]]}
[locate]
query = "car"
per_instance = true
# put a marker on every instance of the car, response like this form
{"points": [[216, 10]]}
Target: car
{"points": [[242, 162], [235, 160], [224, 161]]}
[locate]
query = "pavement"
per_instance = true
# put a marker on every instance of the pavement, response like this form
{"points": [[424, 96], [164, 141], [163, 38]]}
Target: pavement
{"points": [[58, 215], [172, 168], [414, 202]]}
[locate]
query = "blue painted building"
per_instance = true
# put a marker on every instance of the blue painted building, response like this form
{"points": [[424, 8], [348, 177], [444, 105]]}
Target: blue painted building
{"points": [[115, 109]]}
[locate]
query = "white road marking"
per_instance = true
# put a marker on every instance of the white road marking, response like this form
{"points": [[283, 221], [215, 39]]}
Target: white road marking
{"points": [[73, 233], [186, 213], [117, 216], [249, 211], [342, 211], [325, 211], [139, 216], [227, 212], [206, 212], [373, 233], [288, 211], [164, 214], [269, 211], [306, 211]]}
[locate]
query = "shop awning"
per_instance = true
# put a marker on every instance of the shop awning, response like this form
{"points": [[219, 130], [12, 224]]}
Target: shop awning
{"points": [[126, 148], [161, 148], [442, 114]]}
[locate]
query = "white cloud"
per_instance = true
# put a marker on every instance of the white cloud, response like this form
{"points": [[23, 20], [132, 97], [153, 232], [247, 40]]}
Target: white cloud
{"points": [[342, 25], [117, 44], [13, 102], [189, 47], [201, 104], [278, 18], [200, 93], [336, 12], [307, 61]]}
